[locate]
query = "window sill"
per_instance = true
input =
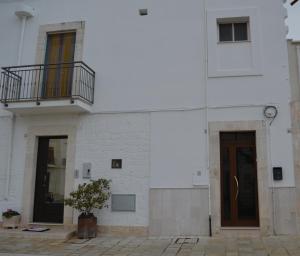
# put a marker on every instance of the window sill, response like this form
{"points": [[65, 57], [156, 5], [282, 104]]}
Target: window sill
{"points": [[233, 42]]}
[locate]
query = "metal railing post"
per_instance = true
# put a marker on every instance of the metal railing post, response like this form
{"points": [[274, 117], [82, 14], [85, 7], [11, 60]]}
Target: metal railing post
{"points": [[6, 89], [38, 86]]}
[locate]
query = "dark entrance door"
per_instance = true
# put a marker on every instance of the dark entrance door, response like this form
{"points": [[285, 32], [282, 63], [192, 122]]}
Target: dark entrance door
{"points": [[239, 196], [50, 180]]}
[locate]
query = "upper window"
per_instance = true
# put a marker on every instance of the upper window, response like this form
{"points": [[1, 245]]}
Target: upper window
{"points": [[233, 31]]}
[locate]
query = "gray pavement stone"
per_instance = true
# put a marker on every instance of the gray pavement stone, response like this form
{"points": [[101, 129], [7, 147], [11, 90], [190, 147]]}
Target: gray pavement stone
{"points": [[113, 246]]}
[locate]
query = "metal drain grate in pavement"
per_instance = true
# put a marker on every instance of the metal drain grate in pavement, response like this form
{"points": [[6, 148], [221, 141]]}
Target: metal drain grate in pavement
{"points": [[187, 240]]}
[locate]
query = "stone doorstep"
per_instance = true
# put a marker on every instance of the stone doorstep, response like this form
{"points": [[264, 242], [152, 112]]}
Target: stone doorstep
{"points": [[239, 233], [65, 232], [58, 232]]}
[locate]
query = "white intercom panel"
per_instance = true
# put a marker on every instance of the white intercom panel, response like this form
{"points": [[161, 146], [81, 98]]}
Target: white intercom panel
{"points": [[86, 170]]}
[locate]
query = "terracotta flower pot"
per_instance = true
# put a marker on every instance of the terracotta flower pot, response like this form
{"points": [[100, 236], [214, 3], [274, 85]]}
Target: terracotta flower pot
{"points": [[12, 222], [87, 226]]}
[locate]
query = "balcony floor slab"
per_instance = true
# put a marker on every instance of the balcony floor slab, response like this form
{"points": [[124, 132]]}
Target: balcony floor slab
{"points": [[49, 106]]}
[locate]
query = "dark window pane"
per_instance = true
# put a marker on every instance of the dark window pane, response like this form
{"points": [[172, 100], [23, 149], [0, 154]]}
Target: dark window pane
{"points": [[227, 136], [240, 31], [225, 32], [247, 137]]}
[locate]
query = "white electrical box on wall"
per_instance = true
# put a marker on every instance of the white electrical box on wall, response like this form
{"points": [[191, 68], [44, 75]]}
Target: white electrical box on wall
{"points": [[197, 178], [86, 170]]}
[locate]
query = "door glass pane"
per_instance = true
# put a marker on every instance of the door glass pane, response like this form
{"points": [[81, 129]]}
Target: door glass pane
{"points": [[246, 175], [56, 168], [226, 184]]}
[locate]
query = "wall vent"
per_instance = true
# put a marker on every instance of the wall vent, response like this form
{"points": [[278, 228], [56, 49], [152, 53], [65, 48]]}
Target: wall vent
{"points": [[123, 203], [143, 12]]}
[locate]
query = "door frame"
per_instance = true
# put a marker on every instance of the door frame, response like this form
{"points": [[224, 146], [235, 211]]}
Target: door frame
{"points": [[264, 196], [30, 167]]}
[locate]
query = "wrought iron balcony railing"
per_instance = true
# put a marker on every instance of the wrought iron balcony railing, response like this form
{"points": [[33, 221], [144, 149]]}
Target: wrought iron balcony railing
{"points": [[42, 82]]}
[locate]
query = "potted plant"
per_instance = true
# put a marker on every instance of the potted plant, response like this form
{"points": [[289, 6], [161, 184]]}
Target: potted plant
{"points": [[11, 219], [87, 197]]}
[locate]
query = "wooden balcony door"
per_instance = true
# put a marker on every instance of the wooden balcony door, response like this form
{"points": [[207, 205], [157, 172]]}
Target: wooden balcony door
{"points": [[58, 75], [239, 193]]}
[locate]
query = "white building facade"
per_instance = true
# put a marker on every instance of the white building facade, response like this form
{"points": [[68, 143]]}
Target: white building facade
{"points": [[184, 105]]}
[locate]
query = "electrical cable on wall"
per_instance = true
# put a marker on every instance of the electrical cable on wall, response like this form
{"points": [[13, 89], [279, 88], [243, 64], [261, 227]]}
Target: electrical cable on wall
{"points": [[270, 113]]}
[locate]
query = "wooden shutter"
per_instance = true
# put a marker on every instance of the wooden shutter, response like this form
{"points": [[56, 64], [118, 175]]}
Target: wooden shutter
{"points": [[58, 78]]}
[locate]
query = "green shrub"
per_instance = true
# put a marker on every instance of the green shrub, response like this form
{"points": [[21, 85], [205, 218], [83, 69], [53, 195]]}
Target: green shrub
{"points": [[90, 196]]}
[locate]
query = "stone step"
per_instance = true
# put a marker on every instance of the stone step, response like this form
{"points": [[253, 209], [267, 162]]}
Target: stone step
{"points": [[58, 232]]}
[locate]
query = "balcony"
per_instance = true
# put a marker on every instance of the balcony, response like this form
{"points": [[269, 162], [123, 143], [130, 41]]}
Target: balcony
{"points": [[47, 88]]}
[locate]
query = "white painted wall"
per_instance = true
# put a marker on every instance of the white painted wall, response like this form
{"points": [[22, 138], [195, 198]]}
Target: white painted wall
{"points": [[4, 132], [177, 149], [154, 67], [100, 139], [157, 61]]}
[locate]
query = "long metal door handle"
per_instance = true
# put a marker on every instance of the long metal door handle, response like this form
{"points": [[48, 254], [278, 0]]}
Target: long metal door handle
{"points": [[237, 187]]}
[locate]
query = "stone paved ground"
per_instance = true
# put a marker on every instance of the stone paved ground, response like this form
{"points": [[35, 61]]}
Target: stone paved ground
{"points": [[111, 246]]}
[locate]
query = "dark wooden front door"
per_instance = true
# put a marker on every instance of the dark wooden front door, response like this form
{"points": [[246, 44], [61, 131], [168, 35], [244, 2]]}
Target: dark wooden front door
{"points": [[50, 180], [239, 195]]}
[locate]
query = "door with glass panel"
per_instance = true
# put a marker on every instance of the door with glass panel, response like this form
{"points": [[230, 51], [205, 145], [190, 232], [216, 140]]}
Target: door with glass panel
{"points": [[50, 180], [239, 193], [59, 58]]}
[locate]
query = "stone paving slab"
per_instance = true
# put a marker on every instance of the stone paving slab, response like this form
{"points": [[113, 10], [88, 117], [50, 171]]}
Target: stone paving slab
{"points": [[132, 246], [55, 232]]}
